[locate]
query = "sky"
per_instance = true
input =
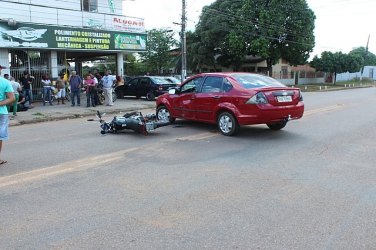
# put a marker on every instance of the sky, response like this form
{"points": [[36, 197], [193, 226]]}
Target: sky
{"points": [[340, 25]]}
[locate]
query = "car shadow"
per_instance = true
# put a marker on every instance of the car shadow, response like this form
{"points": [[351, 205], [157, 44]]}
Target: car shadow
{"points": [[133, 98], [252, 132]]}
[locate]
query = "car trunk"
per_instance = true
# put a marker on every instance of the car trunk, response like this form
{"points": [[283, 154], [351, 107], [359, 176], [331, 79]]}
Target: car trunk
{"points": [[282, 96]]}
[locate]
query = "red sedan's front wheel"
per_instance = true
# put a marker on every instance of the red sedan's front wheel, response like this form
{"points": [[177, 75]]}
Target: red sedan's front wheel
{"points": [[163, 114]]}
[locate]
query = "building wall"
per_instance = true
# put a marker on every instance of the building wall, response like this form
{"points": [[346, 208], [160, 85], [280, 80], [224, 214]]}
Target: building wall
{"points": [[104, 6], [68, 13], [368, 72]]}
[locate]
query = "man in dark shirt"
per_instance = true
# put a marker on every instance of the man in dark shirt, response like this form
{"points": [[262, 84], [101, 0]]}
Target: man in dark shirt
{"points": [[26, 87], [75, 86]]}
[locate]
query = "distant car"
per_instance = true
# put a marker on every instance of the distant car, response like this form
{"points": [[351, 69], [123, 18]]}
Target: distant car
{"points": [[232, 99], [144, 86], [172, 79]]}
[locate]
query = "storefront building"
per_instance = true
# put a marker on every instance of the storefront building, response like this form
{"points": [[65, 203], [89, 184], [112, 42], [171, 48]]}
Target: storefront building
{"points": [[41, 36]]}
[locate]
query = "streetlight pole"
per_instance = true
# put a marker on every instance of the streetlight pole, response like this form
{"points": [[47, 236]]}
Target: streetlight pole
{"points": [[183, 43]]}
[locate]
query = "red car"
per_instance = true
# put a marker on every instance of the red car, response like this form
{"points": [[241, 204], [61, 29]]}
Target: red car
{"points": [[232, 99]]}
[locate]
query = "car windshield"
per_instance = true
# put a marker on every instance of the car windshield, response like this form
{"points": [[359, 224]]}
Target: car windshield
{"points": [[250, 81], [160, 80]]}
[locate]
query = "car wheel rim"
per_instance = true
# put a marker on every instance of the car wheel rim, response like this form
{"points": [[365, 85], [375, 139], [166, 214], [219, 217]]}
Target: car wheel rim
{"points": [[163, 115], [225, 124]]}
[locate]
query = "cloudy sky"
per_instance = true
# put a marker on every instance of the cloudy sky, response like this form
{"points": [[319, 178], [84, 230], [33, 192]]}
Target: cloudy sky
{"points": [[340, 25]]}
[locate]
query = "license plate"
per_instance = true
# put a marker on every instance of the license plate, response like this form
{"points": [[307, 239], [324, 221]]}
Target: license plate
{"points": [[286, 98]]}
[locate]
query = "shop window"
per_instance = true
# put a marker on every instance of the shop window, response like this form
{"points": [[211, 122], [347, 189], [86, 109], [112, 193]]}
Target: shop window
{"points": [[89, 5]]}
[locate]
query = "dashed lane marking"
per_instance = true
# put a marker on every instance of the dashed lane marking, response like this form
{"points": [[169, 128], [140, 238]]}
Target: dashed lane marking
{"points": [[324, 109]]}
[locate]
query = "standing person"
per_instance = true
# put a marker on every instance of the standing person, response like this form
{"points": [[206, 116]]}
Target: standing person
{"points": [[46, 82], [75, 86], [119, 81], [26, 87], [6, 97], [16, 88], [60, 85], [90, 85], [108, 81], [98, 86]]}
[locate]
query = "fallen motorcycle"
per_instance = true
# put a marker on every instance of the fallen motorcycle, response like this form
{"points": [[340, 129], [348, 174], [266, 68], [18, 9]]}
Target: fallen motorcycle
{"points": [[133, 120]]}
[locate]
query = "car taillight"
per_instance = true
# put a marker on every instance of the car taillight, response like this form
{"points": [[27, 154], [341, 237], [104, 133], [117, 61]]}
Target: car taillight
{"points": [[259, 98]]}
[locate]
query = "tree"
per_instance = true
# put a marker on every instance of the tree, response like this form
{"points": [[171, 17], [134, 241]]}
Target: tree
{"points": [[369, 58], [159, 43], [337, 62], [272, 29], [134, 67]]}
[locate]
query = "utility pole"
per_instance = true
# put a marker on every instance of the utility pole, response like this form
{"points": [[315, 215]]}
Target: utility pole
{"points": [[183, 43], [365, 57]]}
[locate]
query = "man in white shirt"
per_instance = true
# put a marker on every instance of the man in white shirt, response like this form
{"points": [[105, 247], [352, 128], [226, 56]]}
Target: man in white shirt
{"points": [[108, 81]]}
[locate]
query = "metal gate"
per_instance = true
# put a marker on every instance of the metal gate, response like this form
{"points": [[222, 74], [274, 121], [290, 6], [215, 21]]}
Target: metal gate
{"points": [[36, 63]]}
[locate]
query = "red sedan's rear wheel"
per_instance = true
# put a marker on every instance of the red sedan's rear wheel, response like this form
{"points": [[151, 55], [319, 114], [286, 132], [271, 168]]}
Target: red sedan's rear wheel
{"points": [[227, 124], [277, 126]]}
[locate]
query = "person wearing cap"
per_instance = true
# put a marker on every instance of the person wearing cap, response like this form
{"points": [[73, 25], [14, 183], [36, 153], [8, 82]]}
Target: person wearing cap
{"points": [[6, 97]]}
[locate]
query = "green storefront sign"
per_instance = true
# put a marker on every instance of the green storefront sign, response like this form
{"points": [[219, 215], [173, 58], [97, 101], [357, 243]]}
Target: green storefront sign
{"points": [[57, 37]]}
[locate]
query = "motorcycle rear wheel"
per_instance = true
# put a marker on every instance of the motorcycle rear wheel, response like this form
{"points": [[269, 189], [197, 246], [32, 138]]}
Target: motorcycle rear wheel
{"points": [[101, 99]]}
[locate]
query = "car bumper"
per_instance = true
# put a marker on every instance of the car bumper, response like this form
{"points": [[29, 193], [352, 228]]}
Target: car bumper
{"points": [[270, 114]]}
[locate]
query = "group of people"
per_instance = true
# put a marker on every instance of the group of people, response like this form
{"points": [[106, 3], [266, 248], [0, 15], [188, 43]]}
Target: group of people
{"points": [[90, 84], [48, 89]]}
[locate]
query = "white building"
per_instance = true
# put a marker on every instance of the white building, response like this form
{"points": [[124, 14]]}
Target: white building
{"points": [[41, 36]]}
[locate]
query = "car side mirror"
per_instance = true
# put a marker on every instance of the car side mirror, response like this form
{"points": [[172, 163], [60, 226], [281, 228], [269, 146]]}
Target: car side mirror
{"points": [[173, 91]]}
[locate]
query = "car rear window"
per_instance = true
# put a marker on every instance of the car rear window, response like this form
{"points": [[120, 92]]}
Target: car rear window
{"points": [[250, 81], [160, 80]]}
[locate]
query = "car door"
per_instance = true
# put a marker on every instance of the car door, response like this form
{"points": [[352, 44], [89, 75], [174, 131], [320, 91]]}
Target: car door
{"points": [[131, 87], [144, 86], [208, 98], [184, 106]]}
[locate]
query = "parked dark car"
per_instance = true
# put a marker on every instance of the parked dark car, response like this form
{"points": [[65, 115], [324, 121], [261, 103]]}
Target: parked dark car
{"points": [[127, 78], [232, 99], [144, 86]]}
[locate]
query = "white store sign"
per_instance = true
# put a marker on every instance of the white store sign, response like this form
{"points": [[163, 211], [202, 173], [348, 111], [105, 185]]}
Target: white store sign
{"points": [[128, 24]]}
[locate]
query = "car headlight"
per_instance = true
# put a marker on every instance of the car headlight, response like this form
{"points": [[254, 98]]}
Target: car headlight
{"points": [[259, 98]]}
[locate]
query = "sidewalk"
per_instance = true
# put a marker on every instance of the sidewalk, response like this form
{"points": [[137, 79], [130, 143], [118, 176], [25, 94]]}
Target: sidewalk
{"points": [[42, 113]]}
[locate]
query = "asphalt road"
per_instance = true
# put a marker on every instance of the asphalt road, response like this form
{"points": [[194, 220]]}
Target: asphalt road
{"points": [[309, 186]]}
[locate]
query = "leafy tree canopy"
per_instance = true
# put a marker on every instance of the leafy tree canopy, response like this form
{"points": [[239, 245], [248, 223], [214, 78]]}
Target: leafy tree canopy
{"points": [[159, 43], [369, 58], [229, 30], [337, 62]]}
